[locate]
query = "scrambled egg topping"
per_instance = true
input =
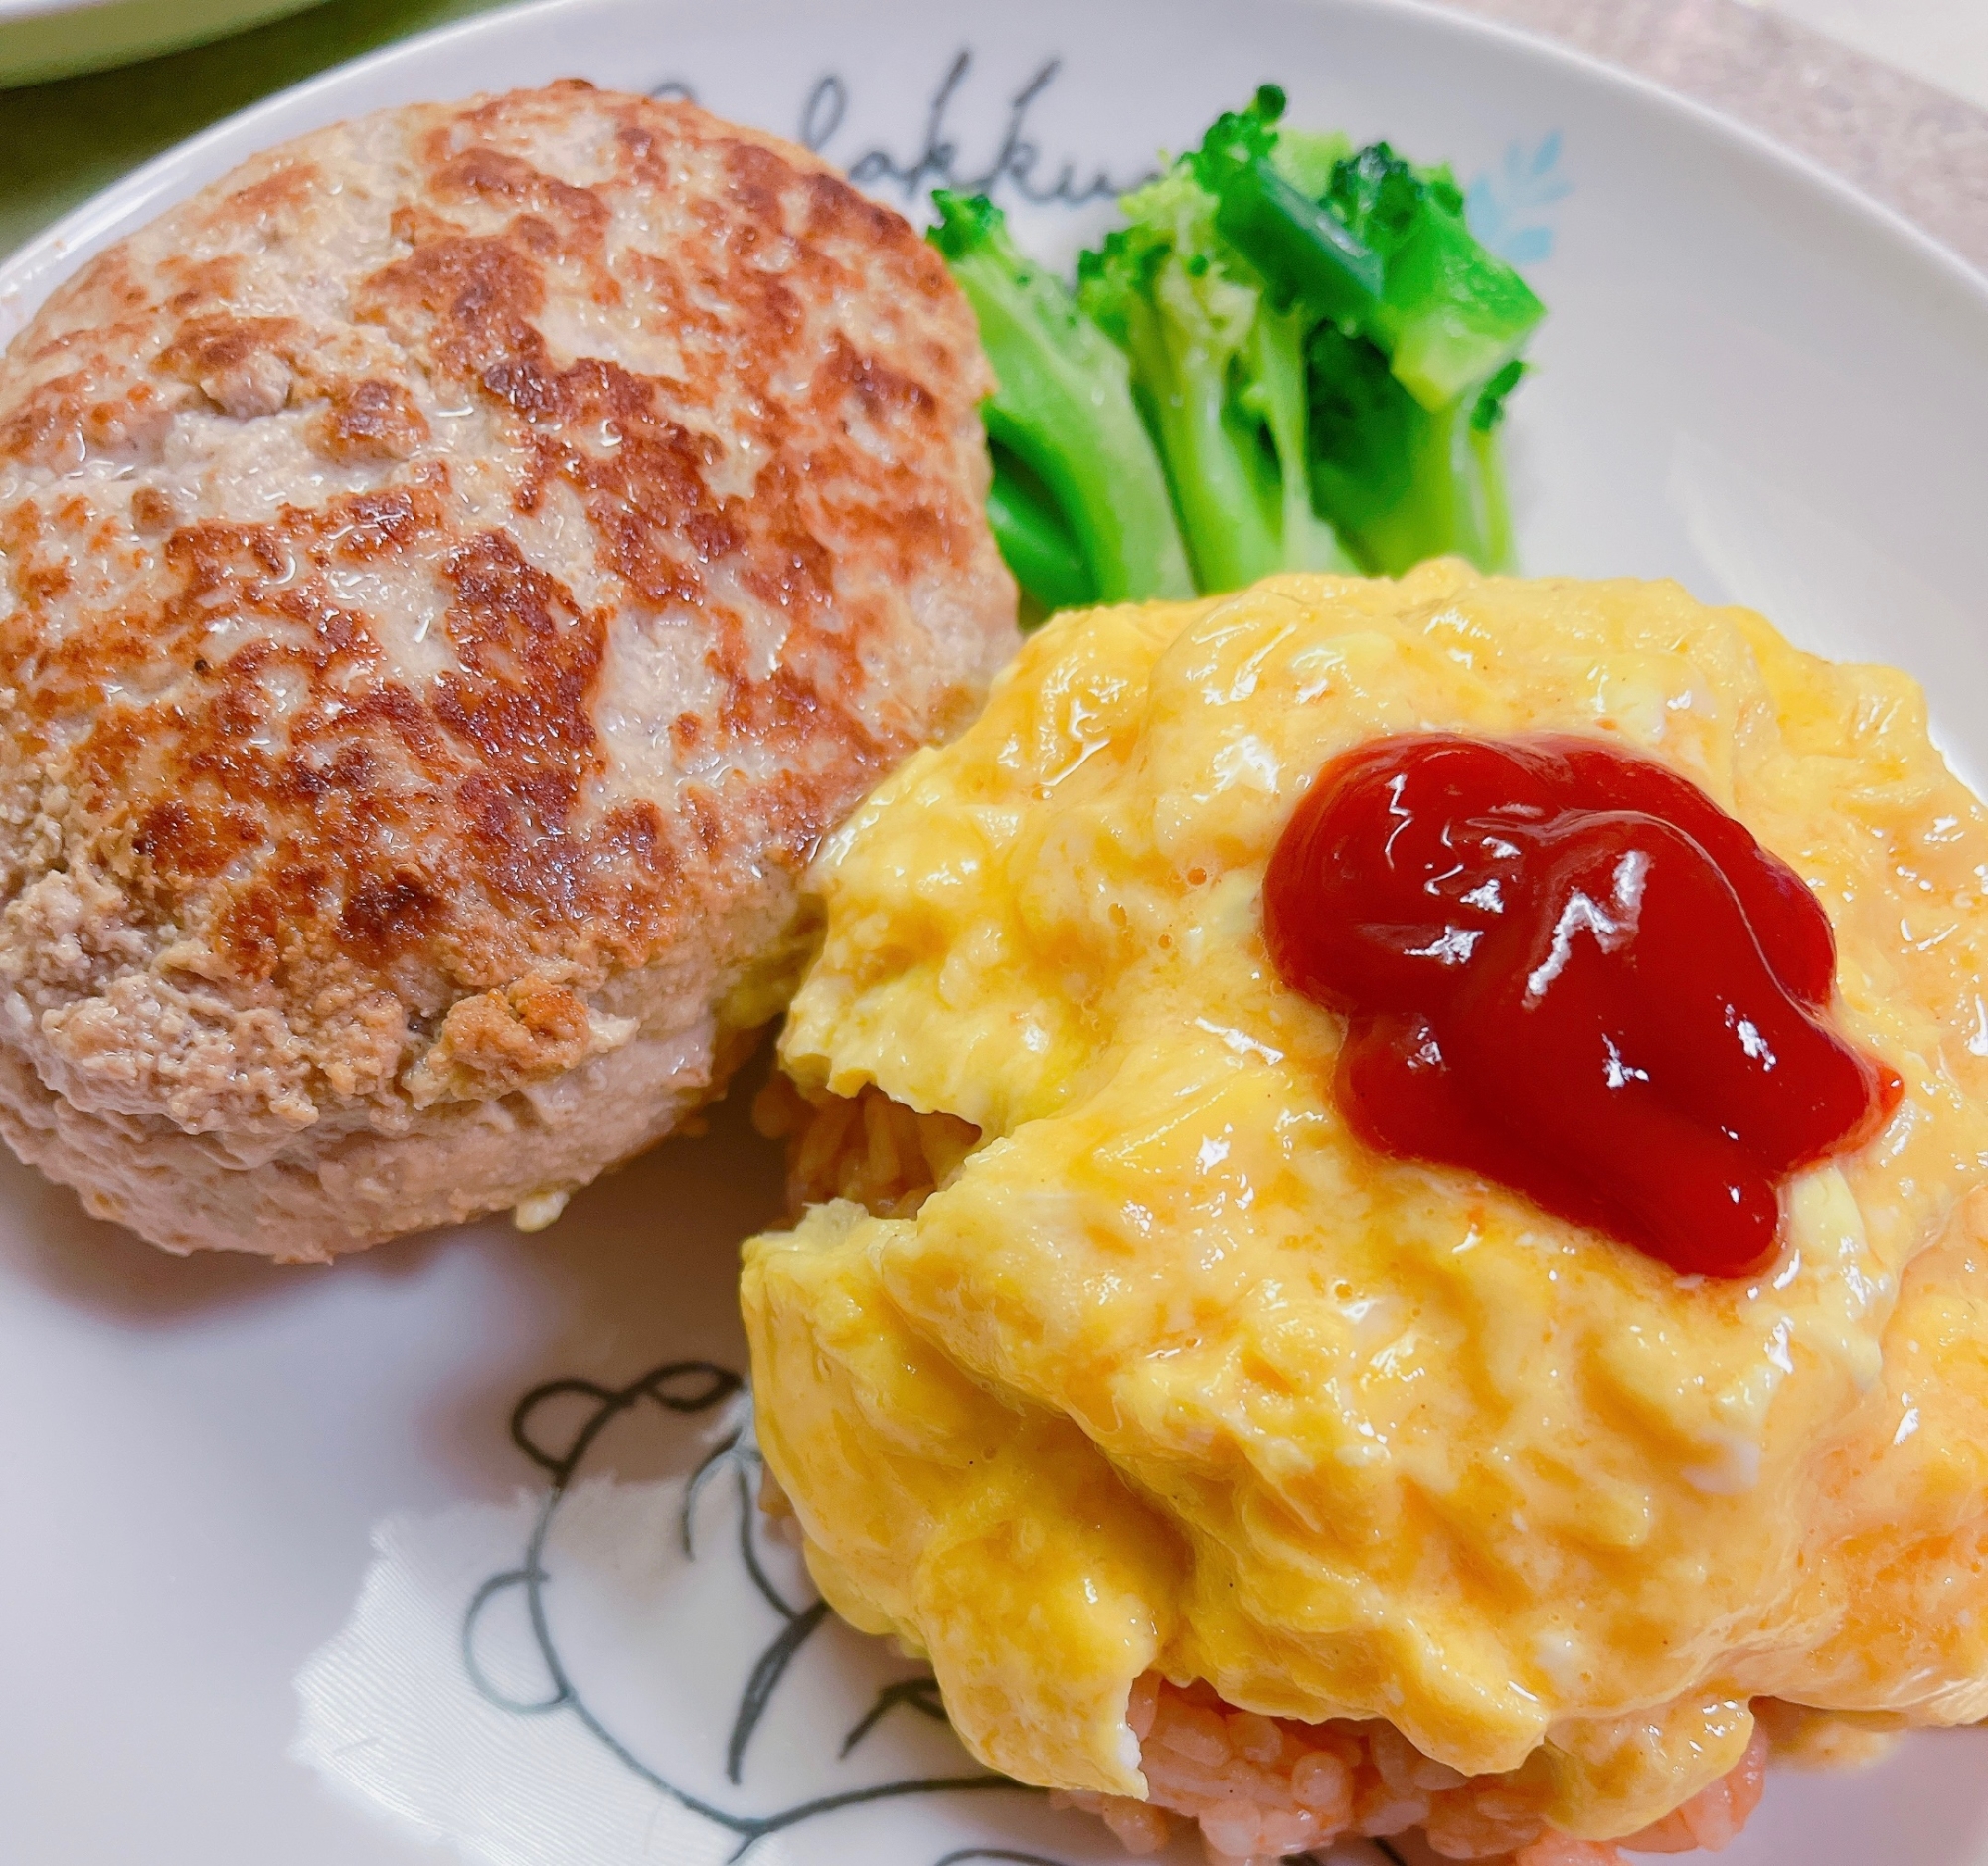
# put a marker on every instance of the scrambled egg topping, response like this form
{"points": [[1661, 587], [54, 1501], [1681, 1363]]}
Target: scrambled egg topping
{"points": [[1170, 1373]]}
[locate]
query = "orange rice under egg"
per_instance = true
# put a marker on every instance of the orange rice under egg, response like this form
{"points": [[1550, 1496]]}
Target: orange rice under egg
{"points": [[1262, 1788]]}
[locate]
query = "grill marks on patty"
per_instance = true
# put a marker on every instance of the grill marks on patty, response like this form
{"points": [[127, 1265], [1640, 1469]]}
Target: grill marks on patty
{"points": [[451, 572], [306, 795], [310, 809]]}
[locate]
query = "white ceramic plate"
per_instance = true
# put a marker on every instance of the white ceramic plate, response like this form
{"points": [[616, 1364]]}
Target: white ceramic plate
{"points": [[1750, 379], [41, 39]]}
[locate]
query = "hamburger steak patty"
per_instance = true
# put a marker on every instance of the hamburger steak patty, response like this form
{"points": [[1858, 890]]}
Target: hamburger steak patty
{"points": [[452, 571]]}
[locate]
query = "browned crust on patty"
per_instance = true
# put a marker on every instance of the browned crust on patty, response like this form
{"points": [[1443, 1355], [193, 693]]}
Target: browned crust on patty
{"points": [[456, 565]]}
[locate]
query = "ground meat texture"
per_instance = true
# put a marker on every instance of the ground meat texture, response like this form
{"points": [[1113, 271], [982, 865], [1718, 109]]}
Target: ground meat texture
{"points": [[452, 571]]}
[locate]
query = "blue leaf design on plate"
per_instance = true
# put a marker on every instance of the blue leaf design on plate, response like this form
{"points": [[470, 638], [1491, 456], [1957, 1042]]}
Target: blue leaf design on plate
{"points": [[1510, 209]]}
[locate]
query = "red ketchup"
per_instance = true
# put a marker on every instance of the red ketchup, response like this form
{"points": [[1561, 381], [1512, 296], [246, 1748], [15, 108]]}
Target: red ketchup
{"points": [[1568, 969]]}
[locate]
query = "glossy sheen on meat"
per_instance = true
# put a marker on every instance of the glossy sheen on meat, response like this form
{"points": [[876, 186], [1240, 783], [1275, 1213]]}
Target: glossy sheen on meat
{"points": [[452, 571]]}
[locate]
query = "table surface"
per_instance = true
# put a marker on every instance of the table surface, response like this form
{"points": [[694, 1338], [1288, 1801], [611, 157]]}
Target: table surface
{"points": [[1946, 42], [1921, 148]]}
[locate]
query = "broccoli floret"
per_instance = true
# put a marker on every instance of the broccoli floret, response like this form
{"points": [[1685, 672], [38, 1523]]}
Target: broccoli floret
{"points": [[1372, 242], [1075, 474], [1304, 251], [1220, 374], [1450, 315], [1410, 330], [1319, 351], [1306, 158], [1159, 289]]}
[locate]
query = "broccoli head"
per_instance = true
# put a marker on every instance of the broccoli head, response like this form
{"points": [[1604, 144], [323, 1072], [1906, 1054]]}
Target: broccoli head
{"points": [[1081, 507], [1291, 355]]}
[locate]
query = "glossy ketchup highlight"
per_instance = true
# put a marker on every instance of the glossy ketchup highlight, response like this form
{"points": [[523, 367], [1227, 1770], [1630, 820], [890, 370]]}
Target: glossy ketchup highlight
{"points": [[1566, 968]]}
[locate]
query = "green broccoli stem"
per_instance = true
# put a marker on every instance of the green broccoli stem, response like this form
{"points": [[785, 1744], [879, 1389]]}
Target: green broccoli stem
{"points": [[1036, 544], [1278, 392], [1226, 511], [1451, 314], [1064, 407], [1451, 498], [1491, 509], [1455, 502], [1302, 248]]}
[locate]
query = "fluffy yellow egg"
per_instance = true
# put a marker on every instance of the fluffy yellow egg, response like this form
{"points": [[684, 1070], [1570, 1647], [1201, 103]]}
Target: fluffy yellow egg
{"points": [[1171, 1375]]}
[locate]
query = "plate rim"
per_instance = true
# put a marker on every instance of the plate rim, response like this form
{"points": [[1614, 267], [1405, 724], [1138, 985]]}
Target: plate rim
{"points": [[156, 181], [37, 268]]}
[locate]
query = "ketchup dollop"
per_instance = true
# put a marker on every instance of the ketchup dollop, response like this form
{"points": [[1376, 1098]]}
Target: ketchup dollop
{"points": [[1566, 968]]}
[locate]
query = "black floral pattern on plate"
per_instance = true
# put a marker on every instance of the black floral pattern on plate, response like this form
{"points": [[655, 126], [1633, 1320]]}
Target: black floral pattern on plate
{"points": [[689, 1388]]}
